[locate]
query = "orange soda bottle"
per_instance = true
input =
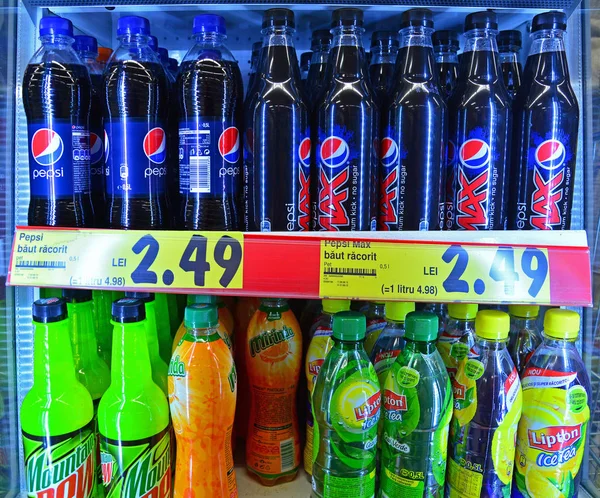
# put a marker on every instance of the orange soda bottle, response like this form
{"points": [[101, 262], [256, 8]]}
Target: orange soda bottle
{"points": [[202, 394], [273, 362]]}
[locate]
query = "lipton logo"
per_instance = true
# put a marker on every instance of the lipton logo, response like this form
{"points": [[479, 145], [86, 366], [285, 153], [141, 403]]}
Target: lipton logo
{"points": [[314, 367], [269, 338], [554, 438], [394, 402], [369, 408], [458, 389]]}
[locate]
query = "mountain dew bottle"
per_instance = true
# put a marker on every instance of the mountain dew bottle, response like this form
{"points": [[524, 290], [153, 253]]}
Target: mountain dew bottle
{"points": [[133, 415], [417, 401], [487, 408], [457, 339], [57, 414], [346, 409], [556, 410]]}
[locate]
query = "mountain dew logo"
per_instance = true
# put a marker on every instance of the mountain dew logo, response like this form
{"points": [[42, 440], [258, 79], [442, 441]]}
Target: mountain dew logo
{"points": [[270, 338]]}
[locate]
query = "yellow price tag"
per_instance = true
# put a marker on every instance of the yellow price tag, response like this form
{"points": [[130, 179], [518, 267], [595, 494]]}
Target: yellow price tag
{"points": [[433, 272], [111, 258]]}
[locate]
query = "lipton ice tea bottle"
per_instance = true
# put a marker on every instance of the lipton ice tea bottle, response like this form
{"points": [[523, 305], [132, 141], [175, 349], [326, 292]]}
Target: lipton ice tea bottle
{"points": [[458, 338], [525, 333], [274, 361], [133, 416], [57, 414], [202, 392]]}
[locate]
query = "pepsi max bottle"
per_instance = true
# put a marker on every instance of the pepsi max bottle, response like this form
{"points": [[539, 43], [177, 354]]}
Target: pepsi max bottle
{"points": [[56, 97], [87, 49], [347, 133], [136, 97], [280, 132], [384, 50], [509, 46], [414, 138], [545, 135], [320, 45], [210, 149], [479, 133], [445, 48]]}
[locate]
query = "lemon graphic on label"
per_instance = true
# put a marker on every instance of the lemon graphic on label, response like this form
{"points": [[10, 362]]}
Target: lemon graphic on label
{"points": [[538, 485], [503, 442]]}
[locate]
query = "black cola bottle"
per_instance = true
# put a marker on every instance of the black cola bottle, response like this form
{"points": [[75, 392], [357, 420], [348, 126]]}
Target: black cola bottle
{"points": [[320, 45], [445, 47], [509, 46], [384, 52]]}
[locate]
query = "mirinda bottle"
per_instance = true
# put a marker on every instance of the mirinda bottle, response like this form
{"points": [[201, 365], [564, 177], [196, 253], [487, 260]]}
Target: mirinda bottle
{"points": [[273, 361]]}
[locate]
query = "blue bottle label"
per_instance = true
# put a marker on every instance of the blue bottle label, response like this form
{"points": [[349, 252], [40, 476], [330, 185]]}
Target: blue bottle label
{"points": [[136, 156], [97, 158], [209, 157], [59, 158]]}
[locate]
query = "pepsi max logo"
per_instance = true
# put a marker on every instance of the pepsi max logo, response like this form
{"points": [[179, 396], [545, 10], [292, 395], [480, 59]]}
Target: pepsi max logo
{"points": [[451, 152], [229, 145], [96, 148], [155, 145], [334, 152], [304, 152], [550, 154], [389, 152], [474, 153], [47, 147]]}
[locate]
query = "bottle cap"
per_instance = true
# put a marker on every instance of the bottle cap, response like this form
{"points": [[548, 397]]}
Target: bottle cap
{"points": [[335, 305], [128, 310], [201, 299], [201, 316], [523, 311], [347, 17], [422, 326], [209, 23], [133, 25], [104, 54], [397, 311], [462, 311], [320, 37], [153, 43], [417, 17], [49, 310], [145, 297], [85, 43], [163, 54], [385, 38], [549, 20], [510, 37], [492, 325], [349, 326], [481, 20], [77, 295], [256, 46], [278, 18], [445, 37], [561, 324], [53, 25], [305, 59]]}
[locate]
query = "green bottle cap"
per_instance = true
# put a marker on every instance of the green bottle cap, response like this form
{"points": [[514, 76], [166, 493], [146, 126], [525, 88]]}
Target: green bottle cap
{"points": [[397, 311], [349, 326], [201, 316], [201, 299], [463, 311], [335, 305], [422, 326]]}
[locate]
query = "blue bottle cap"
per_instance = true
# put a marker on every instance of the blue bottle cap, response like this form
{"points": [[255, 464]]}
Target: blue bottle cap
{"points": [[128, 310], [49, 310], [209, 23], [133, 25], [163, 53], [145, 297], [85, 43], [77, 295], [52, 25]]}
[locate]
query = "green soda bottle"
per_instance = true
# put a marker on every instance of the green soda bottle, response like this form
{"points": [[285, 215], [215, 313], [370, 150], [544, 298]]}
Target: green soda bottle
{"points": [[160, 369], [102, 309], [133, 415], [163, 326], [346, 409], [57, 414], [417, 401], [455, 342]]}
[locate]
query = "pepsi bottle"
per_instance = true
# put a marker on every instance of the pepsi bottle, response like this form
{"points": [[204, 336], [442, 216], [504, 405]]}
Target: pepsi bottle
{"points": [[509, 46], [346, 138], [320, 45], [445, 48], [384, 50], [480, 120], [56, 97], [414, 137], [280, 132], [305, 65], [546, 127], [209, 138], [135, 123]]}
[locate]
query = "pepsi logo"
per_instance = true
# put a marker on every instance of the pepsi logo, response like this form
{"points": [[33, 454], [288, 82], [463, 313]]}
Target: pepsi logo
{"points": [[96, 148], [550, 154], [304, 152], [389, 152], [155, 145], [451, 152], [334, 152], [474, 153], [47, 147], [229, 145]]}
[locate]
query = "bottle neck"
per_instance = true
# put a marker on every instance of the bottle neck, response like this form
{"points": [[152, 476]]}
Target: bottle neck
{"points": [[57, 42], [210, 38], [508, 58], [207, 334], [417, 47], [385, 54], [347, 56], [130, 368], [449, 56], [320, 53], [560, 343], [278, 67], [487, 67], [348, 345], [83, 337], [88, 57], [421, 347], [494, 346], [551, 65], [131, 40], [53, 364], [274, 304]]}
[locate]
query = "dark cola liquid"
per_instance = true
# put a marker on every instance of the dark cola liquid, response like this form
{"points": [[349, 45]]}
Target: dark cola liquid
{"points": [[315, 80], [447, 77], [511, 72], [381, 80]]}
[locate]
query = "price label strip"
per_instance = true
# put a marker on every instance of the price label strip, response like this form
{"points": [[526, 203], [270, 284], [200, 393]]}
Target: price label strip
{"points": [[127, 259]]}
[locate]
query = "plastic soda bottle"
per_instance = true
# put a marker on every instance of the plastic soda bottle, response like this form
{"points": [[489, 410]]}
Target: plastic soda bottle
{"points": [[525, 334], [441, 310], [487, 408], [417, 402], [104, 330], [375, 323], [133, 416], [202, 395], [57, 414], [553, 428], [320, 345], [458, 338], [273, 362]]}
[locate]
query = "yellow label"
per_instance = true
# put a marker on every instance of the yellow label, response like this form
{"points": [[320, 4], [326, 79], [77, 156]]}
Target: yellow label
{"points": [[433, 272], [118, 258]]}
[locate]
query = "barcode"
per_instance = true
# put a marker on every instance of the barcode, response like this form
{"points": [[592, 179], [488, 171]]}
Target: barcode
{"points": [[41, 264], [200, 174], [351, 271], [286, 449]]}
